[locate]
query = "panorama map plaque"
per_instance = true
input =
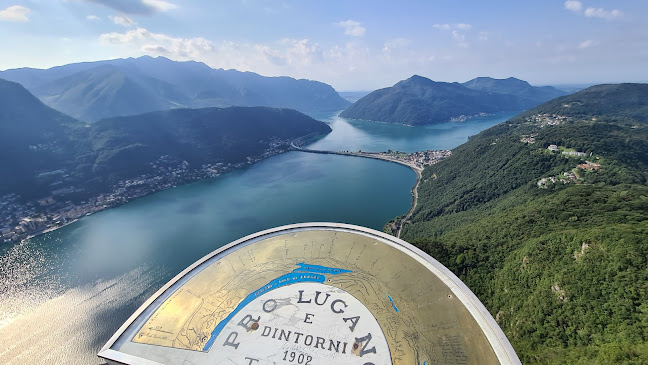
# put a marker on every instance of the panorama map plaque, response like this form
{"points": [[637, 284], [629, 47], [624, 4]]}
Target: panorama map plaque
{"points": [[312, 294]]}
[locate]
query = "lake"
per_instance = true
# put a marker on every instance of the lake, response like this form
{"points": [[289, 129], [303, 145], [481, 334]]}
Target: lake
{"points": [[63, 294]]}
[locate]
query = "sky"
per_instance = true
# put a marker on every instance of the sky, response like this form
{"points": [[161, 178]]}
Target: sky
{"points": [[352, 45]]}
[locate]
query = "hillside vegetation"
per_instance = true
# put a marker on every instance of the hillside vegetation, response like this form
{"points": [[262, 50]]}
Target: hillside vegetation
{"points": [[127, 145], [554, 244], [33, 138]]}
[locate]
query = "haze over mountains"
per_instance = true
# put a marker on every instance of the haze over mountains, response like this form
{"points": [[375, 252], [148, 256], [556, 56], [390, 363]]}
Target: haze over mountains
{"points": [[95, 90], [419, 100], [46, 150]]}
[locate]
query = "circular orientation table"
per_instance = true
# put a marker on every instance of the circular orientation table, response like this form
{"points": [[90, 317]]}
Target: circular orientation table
{"points": [[311, 294]]}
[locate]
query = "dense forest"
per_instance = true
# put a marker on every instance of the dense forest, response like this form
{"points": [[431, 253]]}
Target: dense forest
{"points": [[545, 218]]}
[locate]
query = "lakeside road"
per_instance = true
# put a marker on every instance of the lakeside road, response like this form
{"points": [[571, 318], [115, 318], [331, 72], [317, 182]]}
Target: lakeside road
{"points": [[377, 156], [414, 201]]}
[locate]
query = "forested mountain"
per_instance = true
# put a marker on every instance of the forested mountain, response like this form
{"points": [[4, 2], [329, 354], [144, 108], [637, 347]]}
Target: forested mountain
{"points": [[95, 90], [46, 150], [418, 100], [33, 138], [127, 145], [545, 218]]}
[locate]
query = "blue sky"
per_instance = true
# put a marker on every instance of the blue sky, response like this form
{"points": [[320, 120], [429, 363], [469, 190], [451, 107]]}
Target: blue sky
{"points": [[352, 44]]}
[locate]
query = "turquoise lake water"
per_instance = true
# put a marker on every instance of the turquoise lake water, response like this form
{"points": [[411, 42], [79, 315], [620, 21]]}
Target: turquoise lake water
{"points": [[64, 293]]}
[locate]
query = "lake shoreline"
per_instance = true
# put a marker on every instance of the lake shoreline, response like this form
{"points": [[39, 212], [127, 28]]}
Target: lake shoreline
{"points": [[383, 157], [127, 199]]}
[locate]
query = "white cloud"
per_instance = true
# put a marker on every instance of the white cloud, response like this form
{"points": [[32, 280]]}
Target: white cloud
{"points": [[92, 17], [300, 51], [157, 49], [294, 57], [459, 26], [123, 21], [459, 37], [157, 43], [587, 44], [145, 7], [352, 28], [458, 32], [290, 53], [577, 7], [355, 56], [159, 5], [15, 13], [573, 5], [396, 43], [603, 14]]}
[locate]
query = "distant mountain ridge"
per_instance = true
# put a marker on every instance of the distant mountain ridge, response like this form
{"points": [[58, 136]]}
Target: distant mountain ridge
{"points": [[91, 91], [419, 100], [530, 96]]}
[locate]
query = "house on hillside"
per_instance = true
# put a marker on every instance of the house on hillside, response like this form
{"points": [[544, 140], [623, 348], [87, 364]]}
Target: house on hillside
{"points": [[574, 153], [590, 166]]}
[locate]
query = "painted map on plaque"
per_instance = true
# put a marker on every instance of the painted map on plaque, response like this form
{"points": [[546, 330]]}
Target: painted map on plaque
{"points": [[313, 294]]}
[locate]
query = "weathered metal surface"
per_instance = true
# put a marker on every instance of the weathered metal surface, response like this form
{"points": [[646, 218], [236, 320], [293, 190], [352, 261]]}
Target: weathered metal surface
{"points": [[313, 294]]}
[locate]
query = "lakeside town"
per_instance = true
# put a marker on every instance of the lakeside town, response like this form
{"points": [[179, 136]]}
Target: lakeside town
{"points": [[417, 160], [545, 120], [24, 220]]}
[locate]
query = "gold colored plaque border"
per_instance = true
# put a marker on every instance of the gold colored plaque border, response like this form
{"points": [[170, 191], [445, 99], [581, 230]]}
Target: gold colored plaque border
{"points": [[500, 345]]}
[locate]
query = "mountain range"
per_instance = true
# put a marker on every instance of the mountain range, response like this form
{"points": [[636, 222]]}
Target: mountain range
{"points": [[545, 218], [92, 91], [419, 100], [46, 150]]}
